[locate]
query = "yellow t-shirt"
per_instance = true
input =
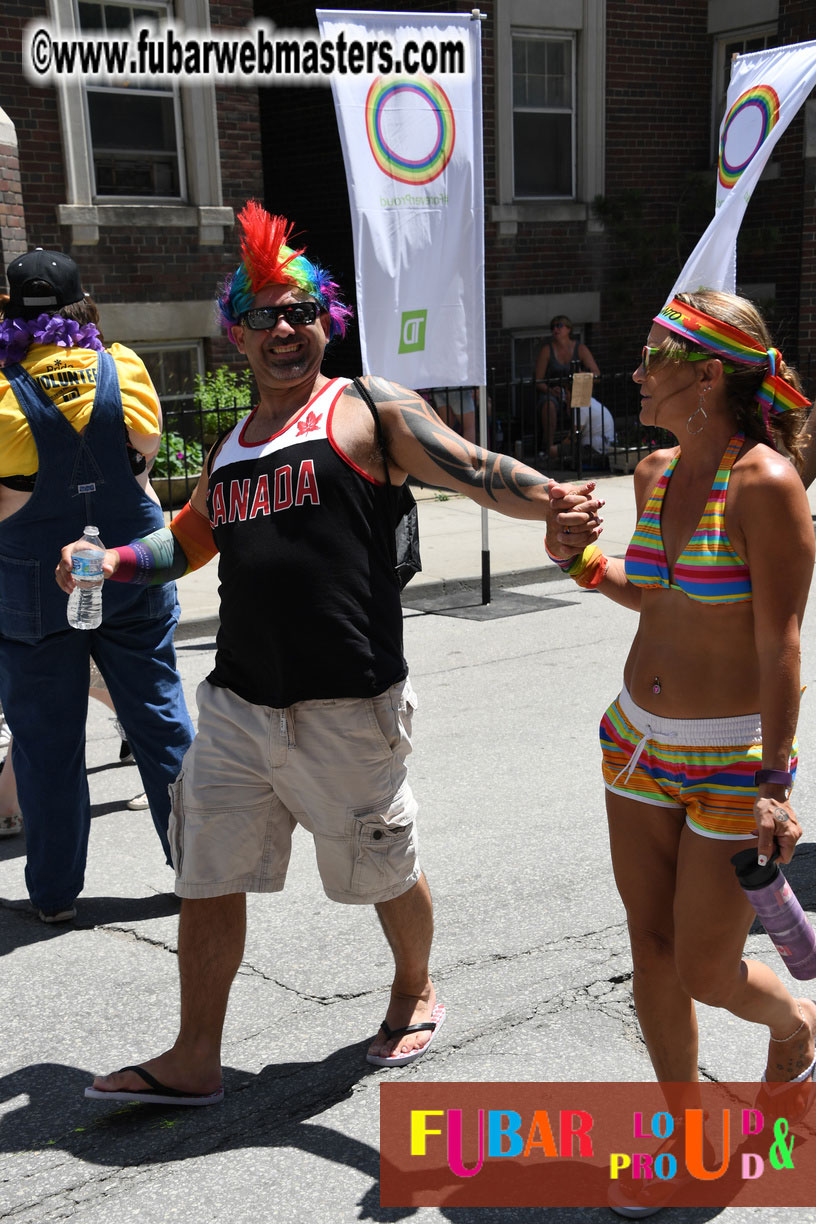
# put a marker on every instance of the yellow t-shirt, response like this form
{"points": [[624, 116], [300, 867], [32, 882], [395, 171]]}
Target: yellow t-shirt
{"points": [[68, 378]]}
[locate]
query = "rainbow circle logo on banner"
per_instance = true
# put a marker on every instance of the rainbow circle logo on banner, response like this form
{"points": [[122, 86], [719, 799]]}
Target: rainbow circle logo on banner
{"points": [[747, 125], [410, 127]]}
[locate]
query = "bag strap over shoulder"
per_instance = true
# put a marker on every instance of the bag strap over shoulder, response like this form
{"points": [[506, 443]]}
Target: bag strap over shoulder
{"points": [[367, 398], [401, 506]]}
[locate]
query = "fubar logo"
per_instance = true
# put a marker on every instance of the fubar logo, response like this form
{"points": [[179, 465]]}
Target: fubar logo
{"points": [[412, 331], [588, 1144]]}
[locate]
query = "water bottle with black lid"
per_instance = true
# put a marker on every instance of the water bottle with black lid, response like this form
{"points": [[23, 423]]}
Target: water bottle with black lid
{"points": [[777, 908]]}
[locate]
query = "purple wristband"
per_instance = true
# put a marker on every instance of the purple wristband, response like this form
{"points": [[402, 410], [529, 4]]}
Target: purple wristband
{"points": [[776, 777]]}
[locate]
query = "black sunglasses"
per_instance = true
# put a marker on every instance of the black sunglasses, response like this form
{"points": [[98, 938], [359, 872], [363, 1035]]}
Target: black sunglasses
{"points": [[296, 314]]}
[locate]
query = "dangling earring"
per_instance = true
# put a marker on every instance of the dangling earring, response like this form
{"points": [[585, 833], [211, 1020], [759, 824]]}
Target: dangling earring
{"points": [[700, 410]]}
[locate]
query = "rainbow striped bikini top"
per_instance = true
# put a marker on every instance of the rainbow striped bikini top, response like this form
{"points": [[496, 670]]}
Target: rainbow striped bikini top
{"points": [[708, 569]]}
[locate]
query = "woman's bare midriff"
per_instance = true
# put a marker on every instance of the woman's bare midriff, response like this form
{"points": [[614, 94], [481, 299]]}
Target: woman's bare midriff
{"points": [[702, 657]]}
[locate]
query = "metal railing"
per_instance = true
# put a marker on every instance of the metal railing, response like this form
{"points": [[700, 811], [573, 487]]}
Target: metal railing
{"points": [[606, 436], [535, 423], [188, 435]]}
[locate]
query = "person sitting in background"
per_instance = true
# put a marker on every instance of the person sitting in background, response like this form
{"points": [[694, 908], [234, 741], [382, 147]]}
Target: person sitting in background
{"points": [[456, 406], [557, 359], [597, 428]]}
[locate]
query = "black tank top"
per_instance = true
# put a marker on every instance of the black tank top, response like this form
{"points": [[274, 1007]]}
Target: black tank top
{"points": [[310, 604]]}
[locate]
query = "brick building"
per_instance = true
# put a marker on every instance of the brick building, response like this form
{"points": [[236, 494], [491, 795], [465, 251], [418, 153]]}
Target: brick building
{"points": [[600, 121], [139, 185], [600, 124]]}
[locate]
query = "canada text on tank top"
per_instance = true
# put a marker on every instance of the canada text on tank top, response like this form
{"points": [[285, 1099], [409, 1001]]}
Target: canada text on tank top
{"points": [[310, 605], [291, 483]]}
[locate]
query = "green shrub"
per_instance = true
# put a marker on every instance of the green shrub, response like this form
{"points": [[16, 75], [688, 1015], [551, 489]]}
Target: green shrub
{"points": [[222, 395], [177, 457]]}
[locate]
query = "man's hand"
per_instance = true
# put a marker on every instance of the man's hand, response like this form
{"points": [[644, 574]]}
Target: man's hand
{"points": [[573, 521], [63, 572]]}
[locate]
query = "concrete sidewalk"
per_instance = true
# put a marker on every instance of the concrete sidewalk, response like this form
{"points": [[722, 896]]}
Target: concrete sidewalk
{"points": [[450, 528]]}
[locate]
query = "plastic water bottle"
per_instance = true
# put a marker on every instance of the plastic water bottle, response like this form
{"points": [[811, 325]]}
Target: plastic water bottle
{"points": [[85, 601], [777, 908]]}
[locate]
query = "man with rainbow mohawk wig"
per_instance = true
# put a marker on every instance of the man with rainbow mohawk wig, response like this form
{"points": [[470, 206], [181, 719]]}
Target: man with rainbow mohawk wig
{"points": [[306, 716], [269, 261]]}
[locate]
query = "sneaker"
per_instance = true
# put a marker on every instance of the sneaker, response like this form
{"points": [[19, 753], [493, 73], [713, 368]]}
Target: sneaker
{"points": [[60, 916], [11, 824], [125, 754], [138, 803]]}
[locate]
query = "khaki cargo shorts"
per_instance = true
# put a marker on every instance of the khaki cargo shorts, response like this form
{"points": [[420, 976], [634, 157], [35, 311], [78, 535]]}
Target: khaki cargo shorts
{"points": [[336, 767]]}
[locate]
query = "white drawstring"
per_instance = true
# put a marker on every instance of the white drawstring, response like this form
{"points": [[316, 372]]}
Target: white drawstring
{"points": [[629, 767]]}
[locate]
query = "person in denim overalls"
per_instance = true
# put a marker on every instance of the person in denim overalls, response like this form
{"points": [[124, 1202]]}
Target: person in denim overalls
{"points": [[81, 477]]}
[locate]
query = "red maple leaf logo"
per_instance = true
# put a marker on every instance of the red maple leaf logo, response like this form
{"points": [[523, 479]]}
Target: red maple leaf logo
{"points": [[308, 423]]}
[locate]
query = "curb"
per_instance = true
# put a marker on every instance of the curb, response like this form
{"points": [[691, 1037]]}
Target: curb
{"points": [[195, 626], [207, 625]]}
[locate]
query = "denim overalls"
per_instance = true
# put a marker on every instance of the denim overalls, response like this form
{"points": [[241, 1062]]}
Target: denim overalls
{"points": [[44, 664]]}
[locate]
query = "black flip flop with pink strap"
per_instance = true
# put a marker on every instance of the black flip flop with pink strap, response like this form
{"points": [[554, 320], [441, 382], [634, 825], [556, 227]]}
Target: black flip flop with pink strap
{"points": [[400, 1060]]}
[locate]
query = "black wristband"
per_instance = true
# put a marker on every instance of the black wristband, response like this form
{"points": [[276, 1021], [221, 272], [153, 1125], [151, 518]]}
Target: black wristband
{"points": [[776, 777]]}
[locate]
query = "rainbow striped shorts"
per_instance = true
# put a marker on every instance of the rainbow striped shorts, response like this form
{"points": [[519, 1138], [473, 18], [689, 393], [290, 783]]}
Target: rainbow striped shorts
{"points": [[703, 766]]}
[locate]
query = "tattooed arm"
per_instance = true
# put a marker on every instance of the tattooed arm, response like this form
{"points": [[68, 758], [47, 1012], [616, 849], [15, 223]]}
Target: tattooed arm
{"points": [[419, 444]]}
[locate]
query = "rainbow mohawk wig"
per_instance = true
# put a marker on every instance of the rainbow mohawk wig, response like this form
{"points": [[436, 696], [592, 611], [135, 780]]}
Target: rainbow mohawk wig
{"points": [[267, 260]]}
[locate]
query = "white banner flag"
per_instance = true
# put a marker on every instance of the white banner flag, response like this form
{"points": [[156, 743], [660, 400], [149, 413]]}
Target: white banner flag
{"points": [[412, 145], [766, 90]]}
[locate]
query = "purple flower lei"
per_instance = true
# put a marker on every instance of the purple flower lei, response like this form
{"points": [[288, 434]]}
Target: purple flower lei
{"points": [[17, 335]]}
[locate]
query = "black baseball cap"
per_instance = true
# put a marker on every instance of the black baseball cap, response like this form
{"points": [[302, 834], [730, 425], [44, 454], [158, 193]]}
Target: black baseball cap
{"points": [[42, 281]]}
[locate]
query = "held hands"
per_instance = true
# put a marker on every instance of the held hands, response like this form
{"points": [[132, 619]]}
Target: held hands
{"points": [[63, 574], [778, 829], [573, 521]]}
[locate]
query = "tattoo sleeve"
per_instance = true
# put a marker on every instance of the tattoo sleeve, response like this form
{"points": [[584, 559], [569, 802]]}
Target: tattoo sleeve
{"points": [[459, 462]]}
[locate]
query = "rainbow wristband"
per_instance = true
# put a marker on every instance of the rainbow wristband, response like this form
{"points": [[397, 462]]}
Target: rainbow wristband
{"points": [[587, 568], [564, 564]]}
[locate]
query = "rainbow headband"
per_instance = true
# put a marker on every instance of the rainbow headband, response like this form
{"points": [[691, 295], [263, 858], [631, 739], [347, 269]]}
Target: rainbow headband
{"points": [[267, 260], [732, 344]]}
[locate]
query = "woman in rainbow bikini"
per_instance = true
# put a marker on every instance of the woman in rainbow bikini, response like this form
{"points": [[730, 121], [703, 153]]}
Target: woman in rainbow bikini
{"points": [[721, 590]]}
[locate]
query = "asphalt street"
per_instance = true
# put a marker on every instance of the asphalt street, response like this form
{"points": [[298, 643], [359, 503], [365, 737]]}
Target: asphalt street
{"points": [[530, 953]]}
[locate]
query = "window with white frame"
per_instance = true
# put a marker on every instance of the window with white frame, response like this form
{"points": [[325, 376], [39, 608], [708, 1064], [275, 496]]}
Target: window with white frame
{"points": [[135, 130], [123, 146], [550, 111], [173, 368], [543, 115]]}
